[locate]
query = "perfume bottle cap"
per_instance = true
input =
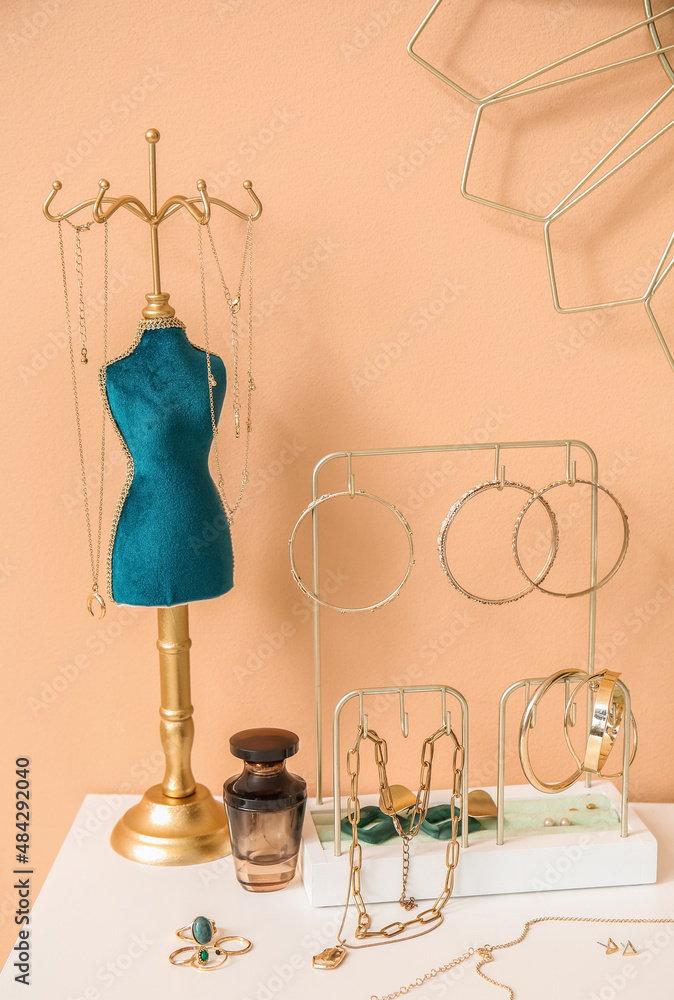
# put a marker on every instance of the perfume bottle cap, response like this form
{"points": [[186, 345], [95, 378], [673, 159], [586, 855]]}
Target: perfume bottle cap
{"points": [[264, 744]]}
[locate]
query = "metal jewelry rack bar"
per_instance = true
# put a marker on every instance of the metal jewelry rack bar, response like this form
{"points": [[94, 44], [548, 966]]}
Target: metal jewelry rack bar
{"points": [[497, 447], [526, 683], [361, 694]]}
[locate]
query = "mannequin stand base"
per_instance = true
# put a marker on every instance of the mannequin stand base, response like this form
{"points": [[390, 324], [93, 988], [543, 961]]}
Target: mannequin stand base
{"points": [[160, 830]]}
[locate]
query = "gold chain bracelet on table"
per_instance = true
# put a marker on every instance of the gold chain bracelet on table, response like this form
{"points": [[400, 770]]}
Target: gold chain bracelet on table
{"points": [[430, 918], [485, 953]]}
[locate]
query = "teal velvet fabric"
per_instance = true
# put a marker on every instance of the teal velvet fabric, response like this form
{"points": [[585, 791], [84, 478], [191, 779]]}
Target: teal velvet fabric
{"points": [[172, 544]]}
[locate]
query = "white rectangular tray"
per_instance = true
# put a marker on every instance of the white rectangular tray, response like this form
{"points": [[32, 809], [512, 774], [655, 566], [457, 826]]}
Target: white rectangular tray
{"points": [[568, 859]]}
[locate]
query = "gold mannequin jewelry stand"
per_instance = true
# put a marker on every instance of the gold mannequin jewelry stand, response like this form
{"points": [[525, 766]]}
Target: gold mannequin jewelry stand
{"points": [[178, 822]]}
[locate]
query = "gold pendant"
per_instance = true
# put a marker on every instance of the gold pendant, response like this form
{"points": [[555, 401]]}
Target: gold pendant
{"points": [[95, 596], [329, 958]]}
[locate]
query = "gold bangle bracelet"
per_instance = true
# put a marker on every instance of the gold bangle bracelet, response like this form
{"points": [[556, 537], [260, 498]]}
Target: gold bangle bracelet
{"points": [[618, 563], [559, 786], [448, 521], [608, 717]]}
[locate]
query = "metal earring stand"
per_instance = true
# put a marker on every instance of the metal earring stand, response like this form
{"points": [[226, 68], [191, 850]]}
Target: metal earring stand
{"points": [[178, 822], [526, 683], [363, 693], [497, 448], [514, 90]]}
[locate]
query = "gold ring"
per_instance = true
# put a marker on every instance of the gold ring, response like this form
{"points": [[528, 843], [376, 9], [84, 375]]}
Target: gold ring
{"points": [[348, 493], [199, 958], [559, 786], [454, 510], [608, 716], [247, 945], [611, 573], [201, 931]]}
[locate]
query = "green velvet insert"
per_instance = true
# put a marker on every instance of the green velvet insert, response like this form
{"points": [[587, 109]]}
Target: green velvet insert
{"points": [[172, 544], [523, 818]]}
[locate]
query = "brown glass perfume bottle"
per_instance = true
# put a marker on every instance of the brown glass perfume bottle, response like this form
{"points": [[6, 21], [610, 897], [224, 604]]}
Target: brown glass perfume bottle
{"points": [[265, 807]]}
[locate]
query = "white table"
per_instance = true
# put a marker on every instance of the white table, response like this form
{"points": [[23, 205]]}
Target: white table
{"points": [[102, 929]]}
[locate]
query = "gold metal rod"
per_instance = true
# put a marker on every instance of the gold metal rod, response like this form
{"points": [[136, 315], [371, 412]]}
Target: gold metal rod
{"points": [[652, 27], [176, 727], [152, 137], [646, 22]]}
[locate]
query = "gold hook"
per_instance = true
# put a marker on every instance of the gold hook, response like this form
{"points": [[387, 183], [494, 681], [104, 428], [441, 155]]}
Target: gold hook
{"points": [[362, 717], [499, 477], [446, 715], [567, 693], [101, 216], [404, 717], [527, 694], [570, 467]]}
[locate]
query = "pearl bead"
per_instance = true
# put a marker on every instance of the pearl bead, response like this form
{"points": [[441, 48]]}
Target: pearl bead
{"points": [[548, 821], [565, 821]]}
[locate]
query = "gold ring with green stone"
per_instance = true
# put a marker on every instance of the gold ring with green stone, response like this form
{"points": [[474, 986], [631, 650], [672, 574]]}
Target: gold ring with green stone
{"points": [[200, 931]]}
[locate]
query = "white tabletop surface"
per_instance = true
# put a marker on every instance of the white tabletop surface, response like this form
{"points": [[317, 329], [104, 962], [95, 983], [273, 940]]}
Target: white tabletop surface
{"points": [[102, 929]]}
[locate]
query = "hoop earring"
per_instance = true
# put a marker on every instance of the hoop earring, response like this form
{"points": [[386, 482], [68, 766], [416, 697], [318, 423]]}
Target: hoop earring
{"points": [[606, 723], [453, 511], [569, 673], [352, 494], [594, 587]]}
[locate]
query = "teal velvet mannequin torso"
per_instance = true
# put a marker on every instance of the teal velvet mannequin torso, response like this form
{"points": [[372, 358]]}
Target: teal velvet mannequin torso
{"points": [[172, 543]]}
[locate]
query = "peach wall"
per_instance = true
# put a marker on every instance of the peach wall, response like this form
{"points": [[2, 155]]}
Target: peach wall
{"points": [[366, 251]]}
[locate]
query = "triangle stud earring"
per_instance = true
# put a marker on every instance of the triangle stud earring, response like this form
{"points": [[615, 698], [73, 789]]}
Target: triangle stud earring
{"points": [[611, 947], [630, 949]]}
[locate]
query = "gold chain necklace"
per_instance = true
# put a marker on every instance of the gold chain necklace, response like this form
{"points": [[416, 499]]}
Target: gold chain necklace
{"points": [[430, 918], [485, 953], [94, 553], [233, 304]]}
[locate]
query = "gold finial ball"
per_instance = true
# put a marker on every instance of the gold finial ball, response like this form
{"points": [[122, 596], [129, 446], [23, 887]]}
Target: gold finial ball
{"points": [[201, 185], [103, 184], [152, 135], [57, 185], [248, 185]]}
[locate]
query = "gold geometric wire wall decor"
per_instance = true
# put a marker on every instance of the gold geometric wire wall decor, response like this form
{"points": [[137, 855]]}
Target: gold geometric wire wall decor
{"points": [[578, 193]]}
